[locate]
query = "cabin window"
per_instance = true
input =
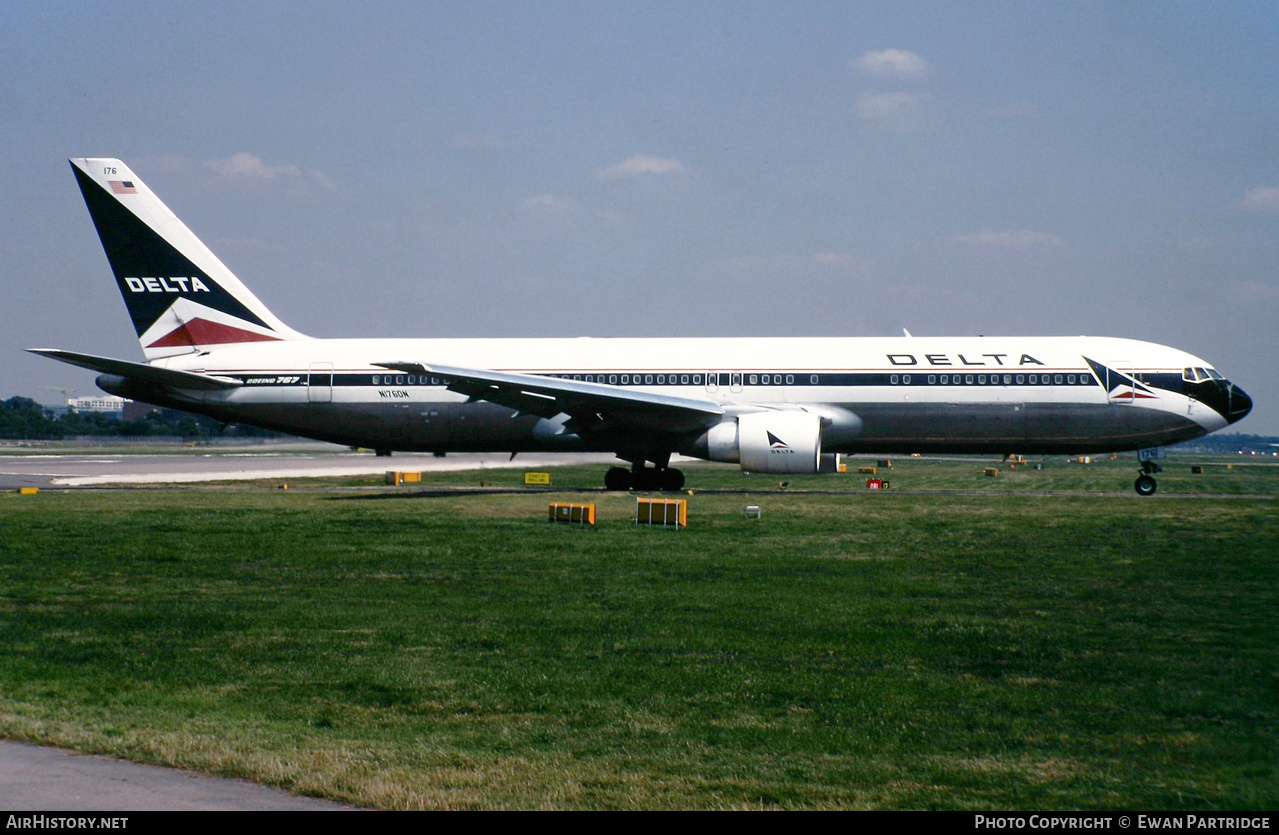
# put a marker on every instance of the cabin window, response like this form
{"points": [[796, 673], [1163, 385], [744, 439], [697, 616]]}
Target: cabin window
{"points": [[812, 380], [683, 379], [754, 378], [968, 379], [697, 379], [906, 379], [1057, 379], [932, 378], [790, 379], [893, 379], [981, 379]]}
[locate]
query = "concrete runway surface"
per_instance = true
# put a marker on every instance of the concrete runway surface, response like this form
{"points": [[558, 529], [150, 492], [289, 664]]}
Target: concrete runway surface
{"points": [[49, 468], [36, 778]]}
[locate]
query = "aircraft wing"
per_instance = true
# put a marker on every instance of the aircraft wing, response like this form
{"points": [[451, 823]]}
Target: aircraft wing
{"points": [[588, 404], [167, 377]]}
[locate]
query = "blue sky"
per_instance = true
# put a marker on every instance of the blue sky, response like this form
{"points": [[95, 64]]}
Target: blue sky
{"points": [[662, 169]]}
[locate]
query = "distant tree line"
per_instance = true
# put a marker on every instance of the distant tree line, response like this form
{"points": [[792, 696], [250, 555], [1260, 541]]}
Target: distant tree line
{"points": [[1233, 442], [24, 419]]}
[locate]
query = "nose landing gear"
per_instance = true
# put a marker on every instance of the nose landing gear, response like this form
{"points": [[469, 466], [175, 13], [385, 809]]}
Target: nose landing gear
{"points": [[1146, 484]]}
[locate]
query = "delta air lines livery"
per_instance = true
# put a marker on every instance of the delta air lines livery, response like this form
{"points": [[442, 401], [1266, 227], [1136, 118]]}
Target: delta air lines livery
{"points": [[769, 405]]}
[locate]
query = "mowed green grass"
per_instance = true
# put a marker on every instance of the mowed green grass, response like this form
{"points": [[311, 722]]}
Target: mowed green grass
{"points": [[910, 649]]}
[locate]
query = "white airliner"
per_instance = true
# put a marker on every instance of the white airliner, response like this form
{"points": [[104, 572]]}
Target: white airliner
{"points": [[770, 405]]}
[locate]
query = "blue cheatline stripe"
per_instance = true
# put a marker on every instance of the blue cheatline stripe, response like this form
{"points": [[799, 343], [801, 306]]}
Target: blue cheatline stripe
{"points": [[743, 379]]}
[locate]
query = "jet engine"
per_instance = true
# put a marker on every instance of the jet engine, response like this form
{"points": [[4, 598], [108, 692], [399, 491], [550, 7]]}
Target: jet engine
{"points": [[769, 442]]}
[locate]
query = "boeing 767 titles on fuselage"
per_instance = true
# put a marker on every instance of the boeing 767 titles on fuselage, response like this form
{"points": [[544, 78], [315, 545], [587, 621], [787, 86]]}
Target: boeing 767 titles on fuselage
{"points": [[769, 405]]}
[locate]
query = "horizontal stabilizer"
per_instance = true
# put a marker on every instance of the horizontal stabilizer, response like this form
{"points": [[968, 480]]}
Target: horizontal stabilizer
{"points": [[167, 377]]}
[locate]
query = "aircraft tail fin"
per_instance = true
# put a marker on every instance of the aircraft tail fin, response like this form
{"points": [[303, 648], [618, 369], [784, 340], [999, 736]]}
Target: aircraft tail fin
{"points": [[181, 298]]}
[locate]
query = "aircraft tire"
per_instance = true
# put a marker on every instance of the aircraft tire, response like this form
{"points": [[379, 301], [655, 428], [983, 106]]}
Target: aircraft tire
{"points": [[1145, 485], [618, 479], [671, 480], [646, 479]]}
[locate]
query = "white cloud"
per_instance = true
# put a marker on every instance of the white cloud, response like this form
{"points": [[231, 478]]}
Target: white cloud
{"points": [[1009, 239], [893, 63], [323, 180], [1263, 199], [245, 164], [897, 109], [549, 204], [639, 165]]}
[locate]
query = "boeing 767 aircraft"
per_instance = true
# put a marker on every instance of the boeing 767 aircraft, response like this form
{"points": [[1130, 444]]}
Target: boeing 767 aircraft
{"points": [[770, 405]]}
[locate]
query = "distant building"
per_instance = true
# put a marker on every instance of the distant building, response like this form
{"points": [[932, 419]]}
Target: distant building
{"points": [[107, 404]]}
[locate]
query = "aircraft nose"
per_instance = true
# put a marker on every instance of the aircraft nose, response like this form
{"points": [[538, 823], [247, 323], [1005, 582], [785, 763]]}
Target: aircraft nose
{"points": [[1238, 405]]}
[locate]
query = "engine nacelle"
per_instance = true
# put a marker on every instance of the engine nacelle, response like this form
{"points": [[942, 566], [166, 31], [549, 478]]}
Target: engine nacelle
{"points": [[769, 442]]}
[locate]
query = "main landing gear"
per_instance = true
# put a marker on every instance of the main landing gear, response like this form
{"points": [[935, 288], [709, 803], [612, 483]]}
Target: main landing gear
{"points": [[639, 477]]}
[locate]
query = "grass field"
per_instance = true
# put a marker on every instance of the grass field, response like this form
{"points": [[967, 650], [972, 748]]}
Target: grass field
{"points": [[957, 642]]}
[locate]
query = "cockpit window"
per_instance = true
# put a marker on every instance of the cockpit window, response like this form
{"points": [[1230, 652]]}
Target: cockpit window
{"points": [[1200, 375]]}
